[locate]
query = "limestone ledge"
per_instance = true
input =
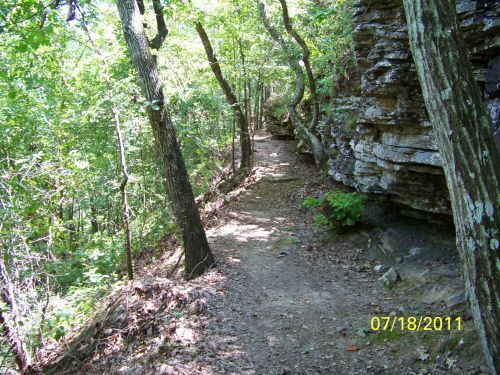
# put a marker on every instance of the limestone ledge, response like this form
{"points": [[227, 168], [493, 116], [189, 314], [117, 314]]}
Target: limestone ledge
{"points": [[390, 147]]}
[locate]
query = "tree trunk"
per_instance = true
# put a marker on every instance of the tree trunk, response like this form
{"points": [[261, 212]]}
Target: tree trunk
{"points": [[94, 221], [248, 103], [256, 105], [244, 77], [198, 256], [470, 158], [307, 64], [245, 143], [261, 103], [233, 135], [71, 225], [123, 191], [79, 230], [304, 133]]}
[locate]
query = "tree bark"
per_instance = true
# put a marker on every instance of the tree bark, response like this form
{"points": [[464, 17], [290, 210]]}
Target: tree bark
{"points": [[123, 191], [198, 256], [470, 158], [313, 141], [245, 143]]}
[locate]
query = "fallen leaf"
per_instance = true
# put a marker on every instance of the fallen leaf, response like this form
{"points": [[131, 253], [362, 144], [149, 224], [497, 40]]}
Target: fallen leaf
{"points": [[422, 354], [450, 362]]}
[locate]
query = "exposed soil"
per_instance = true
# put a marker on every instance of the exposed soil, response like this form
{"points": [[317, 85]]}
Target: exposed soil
{"points": [[288, 297], [300, 299]]}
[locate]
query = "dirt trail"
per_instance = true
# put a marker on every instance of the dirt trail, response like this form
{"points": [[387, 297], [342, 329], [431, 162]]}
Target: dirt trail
{"points": [[287, 311], [282, 311], [286, 296]]}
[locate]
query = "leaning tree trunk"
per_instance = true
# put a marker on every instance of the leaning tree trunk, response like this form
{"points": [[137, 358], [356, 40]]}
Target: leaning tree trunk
{"points": [[305, 134], [123, 191], [470, 158], [245, 143], [307, 64], [198, 256]]}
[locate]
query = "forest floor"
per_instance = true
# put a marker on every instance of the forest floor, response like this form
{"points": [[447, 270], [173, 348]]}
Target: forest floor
{"points": [[287, 296]]}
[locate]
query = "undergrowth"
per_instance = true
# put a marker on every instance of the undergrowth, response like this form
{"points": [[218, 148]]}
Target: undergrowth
{"points": [[337, 209]]}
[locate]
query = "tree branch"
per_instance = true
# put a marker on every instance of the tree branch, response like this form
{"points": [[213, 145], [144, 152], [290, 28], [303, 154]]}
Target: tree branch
{"points": [[161, 26], [142, 8]]}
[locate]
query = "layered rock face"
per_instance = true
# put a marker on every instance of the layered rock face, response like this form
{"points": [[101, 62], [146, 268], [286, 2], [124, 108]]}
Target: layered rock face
{"points": [[382, 139]]}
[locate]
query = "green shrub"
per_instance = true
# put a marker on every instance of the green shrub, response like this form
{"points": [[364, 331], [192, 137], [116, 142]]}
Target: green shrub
{"points": [[337, 209]]}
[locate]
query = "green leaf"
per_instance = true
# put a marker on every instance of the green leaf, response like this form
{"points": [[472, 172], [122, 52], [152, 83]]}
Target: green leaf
{"points": [[155, 104], [311, 202], [22, 47]]}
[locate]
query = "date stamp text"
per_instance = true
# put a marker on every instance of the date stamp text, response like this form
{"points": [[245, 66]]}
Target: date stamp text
{"points": [[415, 323]]}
